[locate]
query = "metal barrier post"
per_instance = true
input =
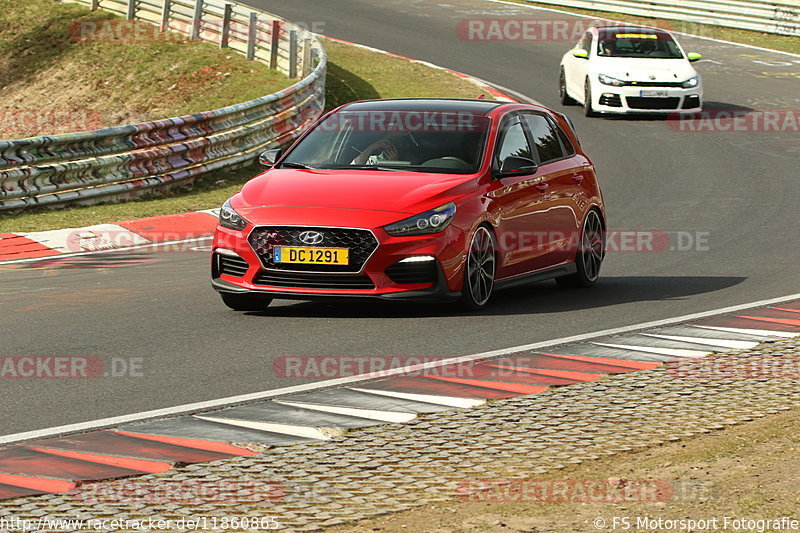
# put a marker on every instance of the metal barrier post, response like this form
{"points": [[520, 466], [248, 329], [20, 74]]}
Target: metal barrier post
{"points": [[131, 9], [274, 42], [293, 54], [226, 25], [252, 35], [95, 5], [165, 12], [197, 19], [307, 56]]}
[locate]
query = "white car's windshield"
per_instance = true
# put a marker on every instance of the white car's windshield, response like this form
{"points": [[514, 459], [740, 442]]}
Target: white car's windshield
{"points": [[427, 141], [641, 43]]}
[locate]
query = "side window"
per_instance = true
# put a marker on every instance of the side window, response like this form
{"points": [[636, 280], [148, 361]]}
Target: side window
{"points": [[568, 148], [514, 142], [586, 42], [544, 137]]}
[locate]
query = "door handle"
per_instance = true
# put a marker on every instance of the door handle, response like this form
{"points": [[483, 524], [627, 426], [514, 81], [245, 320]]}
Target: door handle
{"points": [[577, 178], [542, 186]]}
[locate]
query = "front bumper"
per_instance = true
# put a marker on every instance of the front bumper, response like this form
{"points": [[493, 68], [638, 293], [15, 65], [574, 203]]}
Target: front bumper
{"points": [[637, 99], [238, 268]]}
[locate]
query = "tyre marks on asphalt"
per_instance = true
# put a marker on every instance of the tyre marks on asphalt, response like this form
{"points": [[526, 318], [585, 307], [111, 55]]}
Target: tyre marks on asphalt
{"points": [[61, 464]]}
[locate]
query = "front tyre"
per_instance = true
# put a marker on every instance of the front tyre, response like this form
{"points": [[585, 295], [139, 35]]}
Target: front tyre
{"points": [[566, 99], [480, 270], [245, 302], [588, 110], [591, 251]]}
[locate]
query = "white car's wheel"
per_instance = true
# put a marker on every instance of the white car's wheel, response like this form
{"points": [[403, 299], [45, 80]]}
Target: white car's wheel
{"points": [[588, 110], [566, 99]]}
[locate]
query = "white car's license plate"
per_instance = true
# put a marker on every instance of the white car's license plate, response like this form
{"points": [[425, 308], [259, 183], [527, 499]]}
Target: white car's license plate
{"points": [[654, 93]]}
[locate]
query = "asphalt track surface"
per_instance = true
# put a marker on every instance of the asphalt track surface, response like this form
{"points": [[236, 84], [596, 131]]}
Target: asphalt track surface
{"points": [[736, 191]]}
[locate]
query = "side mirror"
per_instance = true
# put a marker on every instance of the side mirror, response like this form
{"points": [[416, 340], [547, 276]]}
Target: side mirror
{"points": [[517, 166], [694, 56], [581, 53], [269, 157]]}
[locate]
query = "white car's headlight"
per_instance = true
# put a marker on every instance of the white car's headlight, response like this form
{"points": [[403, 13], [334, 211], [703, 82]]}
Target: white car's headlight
{"points": [[432, 221], [608, 80], [229, 218], [691, 82]]}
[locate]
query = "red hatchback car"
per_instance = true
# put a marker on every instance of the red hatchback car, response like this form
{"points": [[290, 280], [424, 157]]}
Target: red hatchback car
{"points": [[427, 199]]}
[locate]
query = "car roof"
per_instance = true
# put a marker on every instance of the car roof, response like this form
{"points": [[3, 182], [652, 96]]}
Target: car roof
{"points": [[447, 105]]}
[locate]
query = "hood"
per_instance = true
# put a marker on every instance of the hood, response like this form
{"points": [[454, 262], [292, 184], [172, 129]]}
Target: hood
{"points": [[398, 192], [639, 69]]}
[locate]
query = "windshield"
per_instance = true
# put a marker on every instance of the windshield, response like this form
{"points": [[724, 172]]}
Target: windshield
{"points": [[637, 43], [421, 141]]}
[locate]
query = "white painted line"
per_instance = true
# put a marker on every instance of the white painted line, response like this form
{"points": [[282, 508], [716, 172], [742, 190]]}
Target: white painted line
{"points": [[447, 401], [371, 414], [553, 10], [759, 332], [677, 352], [307, 387], [723, 343], [308, 432]]}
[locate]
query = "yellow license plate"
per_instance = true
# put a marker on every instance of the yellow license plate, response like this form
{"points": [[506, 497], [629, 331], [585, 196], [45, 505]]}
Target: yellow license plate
{"points": [[311, 256]]}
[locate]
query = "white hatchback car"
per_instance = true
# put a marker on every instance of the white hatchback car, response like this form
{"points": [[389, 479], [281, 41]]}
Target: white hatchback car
{"points": [[630, 69]]}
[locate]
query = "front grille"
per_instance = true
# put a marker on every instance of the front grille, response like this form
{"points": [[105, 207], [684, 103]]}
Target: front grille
{"points": [[691, 101], [360, 242], [232, 266], [412, 272], [639, 102], [654, 83], [296, 280], [611, 100]]}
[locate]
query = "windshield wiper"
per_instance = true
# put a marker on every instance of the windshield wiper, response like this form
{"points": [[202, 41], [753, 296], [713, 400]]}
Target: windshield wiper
{"points": [[290, 164]]}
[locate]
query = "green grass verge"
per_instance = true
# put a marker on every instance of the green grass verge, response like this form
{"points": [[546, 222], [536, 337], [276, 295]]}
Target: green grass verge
{"points": [[765, 40], [353, 73], [44, 66]]}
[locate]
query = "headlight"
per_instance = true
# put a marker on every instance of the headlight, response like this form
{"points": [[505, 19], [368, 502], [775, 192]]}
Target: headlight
{"points": [[229, 218], [608, 80], [432, 221], [691, 82]]}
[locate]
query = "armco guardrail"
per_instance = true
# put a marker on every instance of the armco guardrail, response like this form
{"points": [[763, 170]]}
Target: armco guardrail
{"points": [[780, 17], [124, 162]]}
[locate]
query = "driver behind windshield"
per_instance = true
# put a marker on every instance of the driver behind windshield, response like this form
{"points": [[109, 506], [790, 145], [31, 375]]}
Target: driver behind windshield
{"points": [[384, 149]]}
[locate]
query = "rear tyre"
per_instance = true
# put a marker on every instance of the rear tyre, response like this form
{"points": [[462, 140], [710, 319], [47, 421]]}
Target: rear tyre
{"points": [[588, 110], [566, 99], [591, 251], [480, 270], [245, 302]]}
